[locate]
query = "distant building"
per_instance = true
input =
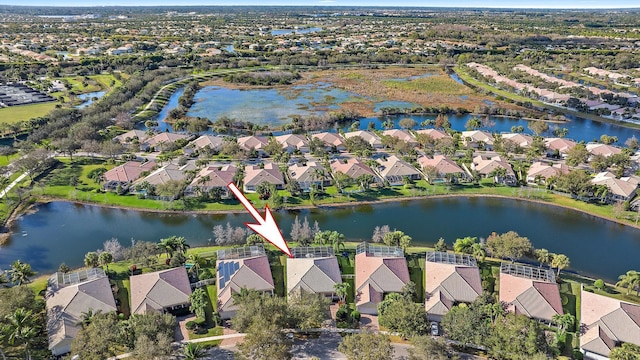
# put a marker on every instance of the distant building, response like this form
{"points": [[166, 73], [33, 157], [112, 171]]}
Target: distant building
{"points": [[367, 136], [331, 141]]}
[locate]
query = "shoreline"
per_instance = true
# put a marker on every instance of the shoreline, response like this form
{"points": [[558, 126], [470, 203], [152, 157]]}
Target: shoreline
{"points": [[27, 209]]}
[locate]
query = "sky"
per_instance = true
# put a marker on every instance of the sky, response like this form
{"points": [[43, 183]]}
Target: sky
{"points": [[551, 4]]}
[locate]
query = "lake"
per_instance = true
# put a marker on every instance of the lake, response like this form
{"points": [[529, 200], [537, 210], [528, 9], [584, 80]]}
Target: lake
{"points": [[274, 107], [64, 232], [88, 98]]}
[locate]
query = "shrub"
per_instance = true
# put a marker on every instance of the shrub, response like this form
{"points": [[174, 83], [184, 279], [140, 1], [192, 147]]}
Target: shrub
{"points": [[190, 325], [355, 315], [599, 284], [565, 299], [343, 313]]}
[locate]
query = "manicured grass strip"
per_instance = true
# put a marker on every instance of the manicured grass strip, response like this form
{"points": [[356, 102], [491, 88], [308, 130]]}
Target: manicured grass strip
{"points": [[16, 114]]}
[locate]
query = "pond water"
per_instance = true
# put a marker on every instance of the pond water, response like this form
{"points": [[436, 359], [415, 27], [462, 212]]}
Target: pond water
{"points": [[64, 232], [276, 32], [89, 98], [275, 106]]}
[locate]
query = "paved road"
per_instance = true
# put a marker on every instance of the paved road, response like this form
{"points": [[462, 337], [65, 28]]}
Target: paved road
{"points": [[14, 183]]}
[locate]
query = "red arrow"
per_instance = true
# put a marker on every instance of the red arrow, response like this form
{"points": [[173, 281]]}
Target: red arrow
{"points": [[267, 227]]}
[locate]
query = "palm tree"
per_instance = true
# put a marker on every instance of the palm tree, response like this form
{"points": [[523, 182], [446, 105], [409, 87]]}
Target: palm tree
{"points": [[242, 295], [560, 261], [104, 259], [630, 280], [564, 322], [20, 273], [341, 290], [465, 245], [543, 256], [478, 252], [91, 259], [193, 351], [168, 245], [181, 244], [20, 328], [4, 281], [86, 317], [197, 262]]}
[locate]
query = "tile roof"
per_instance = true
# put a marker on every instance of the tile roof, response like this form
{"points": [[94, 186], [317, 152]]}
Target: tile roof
{"points": [[307, 173], [251, 273], [403, 135], [450, 280], [560, 144], [130, 135], [603, 149], [486, 166], [219, 176], [477, 136], [608, 321], [353, 168], [293, 140], [441, 163], [532, 296], [212, 141], [164, 137], [254, 175], [434, 133], [368, 136], [66, 305], [330, 139], [315, 275], [159, 290], [379, 274], [253, 142], [521, 140], [624, 187], [546, 171], [393, 166], [129, 171]]}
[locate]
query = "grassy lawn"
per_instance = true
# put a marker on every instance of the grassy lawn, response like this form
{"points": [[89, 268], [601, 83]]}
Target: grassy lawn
{"points": [[437, 84], [279, 273], [15, 114], [416, 274]]}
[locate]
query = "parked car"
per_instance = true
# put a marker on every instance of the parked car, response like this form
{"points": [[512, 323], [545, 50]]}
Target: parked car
{"points": [[435, 330]]}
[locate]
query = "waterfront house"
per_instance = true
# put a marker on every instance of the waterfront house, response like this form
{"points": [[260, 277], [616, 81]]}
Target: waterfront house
{"points": [[602, 149], [523, 141], [161, 291], [268, 172], [309, 174], [540, 172], [394, 170], [352, 167], [167, 173], [435, 134], [442, 166], [213, 142], [213, 177], [450, 279], [125, 174], [238, 268], [607, 323], [477, 139], [160, 141], [369, 137], [620, 190], [487, 167], [530, 291], [69, 296], [380, 270], [558, 146], [403, 135], [257, 143], [331, 140], [293, 142], [314, 270], [131, 136]]}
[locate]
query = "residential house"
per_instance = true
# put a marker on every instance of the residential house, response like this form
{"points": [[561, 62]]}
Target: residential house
{"points": [[403, 135], [558, 146], [380, 270], [449, 279], [352, 167], [530, 291], [477, 139], [539, 172], [131, 136], [620, 190], [523, 141], [239, 268], [211, 141], [369, 137], [608, 323], [160, 291], [442, 166], [486, 167], [314, 270], [293, 142], [256, 174], [167, 173], [394, 170], [256, 143], [602, 149], [435, 134], [309, 174], [160, 141], [213, 177], [331, 141], [69, 296], [125, 174]]}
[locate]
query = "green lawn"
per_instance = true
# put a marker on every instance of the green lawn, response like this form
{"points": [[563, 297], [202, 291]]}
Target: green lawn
{"points": [[16, 114], [437, 84]]}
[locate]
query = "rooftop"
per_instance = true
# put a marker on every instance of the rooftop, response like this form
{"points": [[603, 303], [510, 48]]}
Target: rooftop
{"points": [[241, 253], [379, 250], [451, 258], [528, 272], [312, 251]]}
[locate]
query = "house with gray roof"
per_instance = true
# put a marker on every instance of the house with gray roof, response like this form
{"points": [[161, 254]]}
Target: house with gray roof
{"points": [[125, 174], [371, 138], [161, 291], [608, 322], [68, 296], [269, 172], [314, 270], [449, 279], [380, 270], [239, 268], [394, 170], [530, 291], [309, 174]]}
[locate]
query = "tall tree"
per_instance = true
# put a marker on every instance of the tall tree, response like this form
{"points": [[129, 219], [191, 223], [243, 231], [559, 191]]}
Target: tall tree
{"points": [[543, 256], [91, 259], [560, 261], [366, 346], [509, 245], [428, 348], [465, 245], [264, 341], [20, 328], [341, 290], [20, 273], [630, 280], [104, 259], [627, 351]]}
